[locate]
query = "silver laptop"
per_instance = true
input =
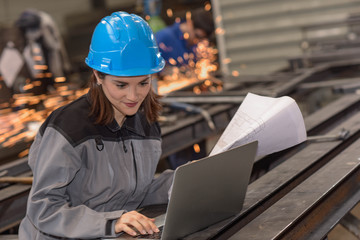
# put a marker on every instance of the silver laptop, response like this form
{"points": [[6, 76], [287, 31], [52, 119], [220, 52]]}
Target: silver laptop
{"points": [[205, 192]]}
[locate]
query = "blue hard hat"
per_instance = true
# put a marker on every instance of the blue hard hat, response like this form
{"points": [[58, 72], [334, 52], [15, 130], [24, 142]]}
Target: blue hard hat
{"points": [[124, 45]]}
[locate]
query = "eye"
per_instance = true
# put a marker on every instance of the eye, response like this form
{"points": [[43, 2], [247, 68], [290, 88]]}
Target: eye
{"points": [[121, 85], [144, 83]]}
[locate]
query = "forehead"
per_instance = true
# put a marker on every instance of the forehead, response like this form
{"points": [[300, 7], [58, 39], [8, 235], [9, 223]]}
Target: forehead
{"points": [[128, 79]]}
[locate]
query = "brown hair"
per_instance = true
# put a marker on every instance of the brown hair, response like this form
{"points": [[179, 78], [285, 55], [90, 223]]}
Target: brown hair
{"points": [[103, 111]]}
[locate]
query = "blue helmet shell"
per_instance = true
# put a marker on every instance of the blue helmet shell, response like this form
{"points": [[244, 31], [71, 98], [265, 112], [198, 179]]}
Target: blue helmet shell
{"points": [[124, 45]]}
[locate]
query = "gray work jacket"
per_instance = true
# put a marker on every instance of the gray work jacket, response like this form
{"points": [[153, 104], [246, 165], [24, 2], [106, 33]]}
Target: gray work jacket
{"points": [[86, 176]]}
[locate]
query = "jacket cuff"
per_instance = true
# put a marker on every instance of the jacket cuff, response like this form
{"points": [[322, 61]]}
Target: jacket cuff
{"points": [[110, 225]]}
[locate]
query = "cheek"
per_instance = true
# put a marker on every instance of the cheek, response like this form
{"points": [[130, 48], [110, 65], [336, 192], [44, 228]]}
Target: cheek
{"points": [[112, 93], [145, 91]]}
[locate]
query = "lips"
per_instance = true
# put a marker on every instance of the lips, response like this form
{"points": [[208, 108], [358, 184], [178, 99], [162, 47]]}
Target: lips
{"points": [[130, 105]]}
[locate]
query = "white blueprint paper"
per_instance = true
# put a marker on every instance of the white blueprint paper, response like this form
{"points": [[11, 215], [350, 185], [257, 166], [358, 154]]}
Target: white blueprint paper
{"points": [[276, 123]]}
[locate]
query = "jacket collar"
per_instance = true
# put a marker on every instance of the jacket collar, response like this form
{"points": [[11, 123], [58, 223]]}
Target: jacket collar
{"points": [[132, 124]]}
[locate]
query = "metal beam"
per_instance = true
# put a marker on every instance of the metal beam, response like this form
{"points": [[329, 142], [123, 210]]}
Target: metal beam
{"points": [[276, 184]]}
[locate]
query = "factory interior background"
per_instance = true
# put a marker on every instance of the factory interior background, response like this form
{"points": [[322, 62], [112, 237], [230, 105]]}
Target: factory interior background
{"points": [[272, 48]]}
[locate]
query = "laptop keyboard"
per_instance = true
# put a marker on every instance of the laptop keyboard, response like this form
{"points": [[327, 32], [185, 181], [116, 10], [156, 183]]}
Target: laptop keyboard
{"points": [[156, 235]]}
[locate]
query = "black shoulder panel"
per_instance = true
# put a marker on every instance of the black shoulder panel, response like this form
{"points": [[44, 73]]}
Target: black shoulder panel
{"points": [[75, 124]]}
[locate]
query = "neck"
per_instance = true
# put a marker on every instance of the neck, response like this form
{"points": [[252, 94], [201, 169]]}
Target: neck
{"points": [[120, 118]]}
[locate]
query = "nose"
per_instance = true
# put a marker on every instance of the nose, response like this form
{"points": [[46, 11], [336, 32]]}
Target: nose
{"points": [[132, 94]]}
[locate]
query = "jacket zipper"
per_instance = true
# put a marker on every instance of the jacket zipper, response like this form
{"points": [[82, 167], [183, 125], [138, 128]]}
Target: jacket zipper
{"points": [[135, 167], [134, 161]]}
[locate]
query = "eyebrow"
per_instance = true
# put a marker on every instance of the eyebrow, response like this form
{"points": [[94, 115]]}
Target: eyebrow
{"points": [[147, 78], [119, 81]]}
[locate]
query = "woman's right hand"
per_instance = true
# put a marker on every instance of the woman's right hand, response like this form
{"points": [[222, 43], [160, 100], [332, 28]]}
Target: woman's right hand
{"points": [[131, 221]]}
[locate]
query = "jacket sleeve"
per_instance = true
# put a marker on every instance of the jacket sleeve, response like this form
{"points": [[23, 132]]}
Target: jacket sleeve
{"points": [[159, 188], [55, 163]]}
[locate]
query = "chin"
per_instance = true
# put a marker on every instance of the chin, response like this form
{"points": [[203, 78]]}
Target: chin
{"points": [[131, 113]]}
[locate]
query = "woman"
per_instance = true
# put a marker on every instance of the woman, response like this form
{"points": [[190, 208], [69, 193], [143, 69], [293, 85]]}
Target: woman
{"points": [[94, 159]]}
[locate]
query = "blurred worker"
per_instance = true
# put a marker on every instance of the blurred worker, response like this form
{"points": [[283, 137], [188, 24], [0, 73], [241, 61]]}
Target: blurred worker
{"points": [[44, 53], [94, 160], [180, 39], [177, 44]]}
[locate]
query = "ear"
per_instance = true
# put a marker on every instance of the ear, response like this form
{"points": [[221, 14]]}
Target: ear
{"points": [[98, 79]]}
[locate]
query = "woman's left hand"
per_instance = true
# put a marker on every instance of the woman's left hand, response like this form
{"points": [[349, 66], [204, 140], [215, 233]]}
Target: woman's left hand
{"points": [[134, 220]]}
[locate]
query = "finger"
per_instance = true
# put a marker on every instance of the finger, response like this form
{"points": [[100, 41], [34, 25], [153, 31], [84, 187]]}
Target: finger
{"points": [[139, 222], [125, 223], [144, 224], [139, 227], [153, 226], [149, 225], [125, 228]]}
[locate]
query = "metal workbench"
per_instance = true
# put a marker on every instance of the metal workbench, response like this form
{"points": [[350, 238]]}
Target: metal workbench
{"points": [[298, 183]]}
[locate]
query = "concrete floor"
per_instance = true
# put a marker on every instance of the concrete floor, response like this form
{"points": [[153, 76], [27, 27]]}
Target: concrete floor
{"points": [[340, 233]]}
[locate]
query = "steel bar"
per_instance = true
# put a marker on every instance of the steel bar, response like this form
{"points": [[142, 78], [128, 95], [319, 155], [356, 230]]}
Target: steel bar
{"points": [[288, 87], [259, 78], [329, 83], [13, 196], [352, 224], [24, 180], [325, 58], [302, 213], [13, 205], [308, 74], [204, 99], [348, 88], [14, 168], [329, 115], [226, 93], [342, 135], [279, 181]]}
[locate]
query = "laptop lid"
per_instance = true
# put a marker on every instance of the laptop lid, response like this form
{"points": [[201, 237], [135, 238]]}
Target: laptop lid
{"points": [[205, 192], [208, 191]]}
